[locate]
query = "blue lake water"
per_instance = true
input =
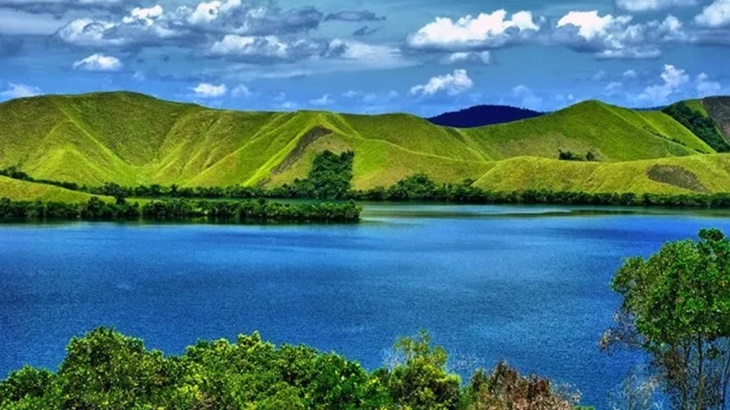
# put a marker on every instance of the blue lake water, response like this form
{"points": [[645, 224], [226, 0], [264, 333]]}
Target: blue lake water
{"points": [[525, 284]]}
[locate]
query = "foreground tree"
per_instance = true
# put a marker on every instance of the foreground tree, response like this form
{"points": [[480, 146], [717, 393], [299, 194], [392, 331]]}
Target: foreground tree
{"points": [[676, 307]]}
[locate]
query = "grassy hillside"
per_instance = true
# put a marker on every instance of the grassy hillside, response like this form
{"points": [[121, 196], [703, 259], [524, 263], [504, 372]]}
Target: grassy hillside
{"points": [[29, 191], [695, 174], [133, 139]]}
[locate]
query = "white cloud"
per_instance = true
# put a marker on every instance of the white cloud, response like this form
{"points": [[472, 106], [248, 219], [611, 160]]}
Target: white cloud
{"points": [[241, 91], [269, 46], [630, 75], [351, 94], [19, 91], [98, 62], [452, 84], [616, 37], [705, 87], [493, 30], [289, 106], [322, 101], [526, 97], [207, 90], [247, 17], [273, 49], [651, 5], [189, 26], [146, 16], [715, 15], [613, 88], [484, 57], [673, 81]]}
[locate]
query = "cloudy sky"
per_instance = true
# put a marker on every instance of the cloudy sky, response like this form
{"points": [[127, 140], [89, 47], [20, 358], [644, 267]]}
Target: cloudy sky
{"points": [[419, 56]]}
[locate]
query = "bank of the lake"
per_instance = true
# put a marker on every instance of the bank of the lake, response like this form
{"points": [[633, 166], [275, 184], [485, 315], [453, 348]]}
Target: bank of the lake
{"points": [[526, 284]]}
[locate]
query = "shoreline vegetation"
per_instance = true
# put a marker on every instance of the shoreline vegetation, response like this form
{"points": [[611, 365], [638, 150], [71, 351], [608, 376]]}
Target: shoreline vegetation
{"points": [[105, 369], [242, 212]]}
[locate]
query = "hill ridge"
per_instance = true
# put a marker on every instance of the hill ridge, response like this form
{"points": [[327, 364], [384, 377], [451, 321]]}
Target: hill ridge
{"points": [[131, 138]]}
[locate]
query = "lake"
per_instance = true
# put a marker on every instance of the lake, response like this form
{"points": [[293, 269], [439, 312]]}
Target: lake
{"points": [[525, 284]]}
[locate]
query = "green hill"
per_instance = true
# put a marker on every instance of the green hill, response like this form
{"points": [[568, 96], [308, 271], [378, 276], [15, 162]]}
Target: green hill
{"points": [[133, 139]]}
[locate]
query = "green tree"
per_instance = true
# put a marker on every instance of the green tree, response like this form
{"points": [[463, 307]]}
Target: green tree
{"points": [[421, 380], [676, 307]]}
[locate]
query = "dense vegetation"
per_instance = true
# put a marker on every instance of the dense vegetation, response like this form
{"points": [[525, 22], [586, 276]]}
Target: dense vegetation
{"points": [[249, 211], [700, 125], [107, 370], [676, 307], [572, 156]]}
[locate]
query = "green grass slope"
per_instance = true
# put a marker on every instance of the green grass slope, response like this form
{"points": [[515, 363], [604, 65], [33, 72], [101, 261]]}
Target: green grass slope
{"points": [[132, 139], [29, 191], [615, 134], [678, 175]]}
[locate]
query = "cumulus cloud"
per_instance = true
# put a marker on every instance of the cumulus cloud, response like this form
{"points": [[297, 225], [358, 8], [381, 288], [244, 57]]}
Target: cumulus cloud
{"points": [[630, 74], [483, 57], [485, 31], [451, 84], [354, 16], [19, 91], [706, 87], [146, 16], [526, 97], [322, 101], [715, 15], [273, 49], [614, 88], [249, 17], [208, 90], [677, 83], [652, 5], [241, 91], [673, 81], [98, 62], [60, 7], [616, 37], [188, 26]]}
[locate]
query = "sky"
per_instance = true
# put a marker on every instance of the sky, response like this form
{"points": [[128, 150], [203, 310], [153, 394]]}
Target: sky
{"points": [[419, 56]]}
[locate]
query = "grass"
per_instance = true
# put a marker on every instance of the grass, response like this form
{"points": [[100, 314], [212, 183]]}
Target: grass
{"points": [[17, 190], [710, 172], [133, 139]]}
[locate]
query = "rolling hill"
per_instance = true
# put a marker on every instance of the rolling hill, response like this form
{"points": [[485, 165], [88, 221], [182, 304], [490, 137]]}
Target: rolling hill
{"points": [[132, 139]]}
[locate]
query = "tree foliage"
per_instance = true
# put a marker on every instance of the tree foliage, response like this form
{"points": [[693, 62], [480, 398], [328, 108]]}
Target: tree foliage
{"points": [[700, 125], [676, 307], [107, 370], [246, 211]]}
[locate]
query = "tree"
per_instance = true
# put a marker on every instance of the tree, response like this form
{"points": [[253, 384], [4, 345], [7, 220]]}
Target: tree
{"points": [[421, 381], [676, 307]]}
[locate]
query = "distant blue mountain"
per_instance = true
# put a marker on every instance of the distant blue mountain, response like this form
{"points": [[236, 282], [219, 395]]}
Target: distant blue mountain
{"points": [[480, 115]]}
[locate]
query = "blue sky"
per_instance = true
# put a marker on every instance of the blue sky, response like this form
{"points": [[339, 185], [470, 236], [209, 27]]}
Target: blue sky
{"points": [[418, 56]]}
